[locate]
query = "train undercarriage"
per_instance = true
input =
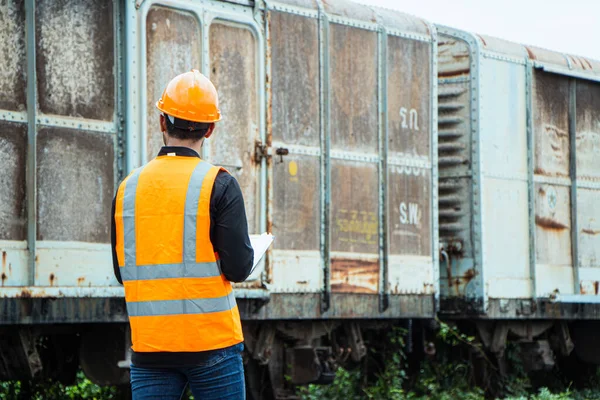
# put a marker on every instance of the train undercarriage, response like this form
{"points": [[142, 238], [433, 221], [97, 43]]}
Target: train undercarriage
{"points": [[282, 354]]}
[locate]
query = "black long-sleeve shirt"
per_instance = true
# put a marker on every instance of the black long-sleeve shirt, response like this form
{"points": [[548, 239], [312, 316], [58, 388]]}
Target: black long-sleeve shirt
{"points": [[229, 236]]}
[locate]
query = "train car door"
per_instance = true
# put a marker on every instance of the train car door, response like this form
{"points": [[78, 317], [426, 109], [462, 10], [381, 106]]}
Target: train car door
{"points": [[225, 43]]}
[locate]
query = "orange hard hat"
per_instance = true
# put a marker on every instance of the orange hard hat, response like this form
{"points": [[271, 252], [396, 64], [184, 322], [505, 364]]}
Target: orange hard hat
{"points": [[191, 96]]}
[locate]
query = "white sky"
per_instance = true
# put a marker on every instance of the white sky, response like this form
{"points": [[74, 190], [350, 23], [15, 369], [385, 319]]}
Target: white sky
{"points": [[569, 26]]}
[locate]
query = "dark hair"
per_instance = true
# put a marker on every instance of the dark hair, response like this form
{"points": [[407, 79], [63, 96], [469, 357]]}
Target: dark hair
{"points": [[182, 129]]}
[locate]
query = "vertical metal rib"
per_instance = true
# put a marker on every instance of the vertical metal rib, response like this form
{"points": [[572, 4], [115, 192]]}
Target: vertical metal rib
{"points": [[267, 190], [325, 157], [573, 175], [434, 173], [119, 24], [530, 168], [204, 31], [32, 140], [383, 171]]}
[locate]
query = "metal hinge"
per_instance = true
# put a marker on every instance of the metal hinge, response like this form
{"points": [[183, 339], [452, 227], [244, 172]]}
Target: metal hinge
{"points": [[261, 151]]}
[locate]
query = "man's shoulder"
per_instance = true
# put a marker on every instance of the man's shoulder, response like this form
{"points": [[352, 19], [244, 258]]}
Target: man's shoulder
{"points": [[223, 180], [225, 188]]}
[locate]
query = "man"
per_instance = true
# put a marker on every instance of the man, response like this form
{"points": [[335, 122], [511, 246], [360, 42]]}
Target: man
{"points": [[179, 237]]}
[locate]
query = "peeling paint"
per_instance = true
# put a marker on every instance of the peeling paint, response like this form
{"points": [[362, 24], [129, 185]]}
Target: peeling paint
{"points": [[354, 275]]}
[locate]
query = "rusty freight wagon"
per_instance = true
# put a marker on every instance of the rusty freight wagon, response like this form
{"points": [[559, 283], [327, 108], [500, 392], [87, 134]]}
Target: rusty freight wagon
{"points": [[519, 191], [329, 126]]}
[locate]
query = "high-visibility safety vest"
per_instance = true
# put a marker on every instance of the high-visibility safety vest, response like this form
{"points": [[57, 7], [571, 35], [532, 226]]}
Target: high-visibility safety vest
{"points": [[177, 298]]}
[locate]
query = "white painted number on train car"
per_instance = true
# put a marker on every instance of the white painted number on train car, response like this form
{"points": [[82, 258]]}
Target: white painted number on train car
{"points": [[410, 214], [412, 121]]}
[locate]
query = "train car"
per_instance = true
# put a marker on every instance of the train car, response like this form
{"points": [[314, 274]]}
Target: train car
{"points": [[329, 125], [519, 167]]}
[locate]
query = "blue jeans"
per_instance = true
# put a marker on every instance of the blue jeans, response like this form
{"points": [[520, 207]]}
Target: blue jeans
{"points": [[219, 377]]}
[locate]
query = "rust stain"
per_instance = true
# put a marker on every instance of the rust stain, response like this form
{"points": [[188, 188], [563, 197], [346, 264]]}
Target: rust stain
{"points": [[269, 140], [25, 293], [482, 40], [549, 224], [590, 231], [4, 278], [461, 282], [596, 286], [530, 53], [80, 280], [354, 276], [427, 27], [445, 74], [3, 259], [255, 284], [52, 277], [449, 272], [469, 275]]}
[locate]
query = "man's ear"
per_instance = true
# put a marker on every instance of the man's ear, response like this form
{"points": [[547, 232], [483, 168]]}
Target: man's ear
{"points": [[210, 130], [163, 123]]}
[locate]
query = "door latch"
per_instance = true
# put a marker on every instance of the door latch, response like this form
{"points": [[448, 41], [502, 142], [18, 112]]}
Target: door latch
{"points": [[281, 151]]}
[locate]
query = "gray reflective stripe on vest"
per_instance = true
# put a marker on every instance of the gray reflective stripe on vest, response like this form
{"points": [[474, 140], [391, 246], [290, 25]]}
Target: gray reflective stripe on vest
{"points": [[165, 271], [190, 224], [176, 307], [129, 217], [189, 268]]}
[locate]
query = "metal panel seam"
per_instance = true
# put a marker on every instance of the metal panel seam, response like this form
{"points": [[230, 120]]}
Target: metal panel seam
{"points": [[206, 148], [573, 174], [383, 133], [119, 119], [292, 10], [352, 23], [31, 139], [530, 168], [500, 57], [268, 137], [132, 72], [325, 148], [478, 209], [13, 116], [76, 123], [434, 161], [407, 35]]}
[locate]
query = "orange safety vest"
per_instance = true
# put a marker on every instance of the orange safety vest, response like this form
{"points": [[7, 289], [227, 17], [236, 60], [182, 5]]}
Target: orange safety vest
{"points": [[177, 298]]}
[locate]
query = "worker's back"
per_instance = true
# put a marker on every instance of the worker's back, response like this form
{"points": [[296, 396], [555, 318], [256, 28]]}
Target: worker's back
{"points": [[177, 298]]}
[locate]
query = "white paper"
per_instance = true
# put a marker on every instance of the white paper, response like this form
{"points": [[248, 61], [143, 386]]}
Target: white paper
{"points": [[260, 244]]}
